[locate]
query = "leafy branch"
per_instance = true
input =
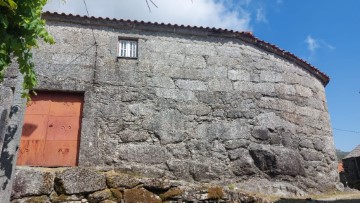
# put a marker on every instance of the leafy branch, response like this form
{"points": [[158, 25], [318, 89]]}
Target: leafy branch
{"points": [[20, 28]]}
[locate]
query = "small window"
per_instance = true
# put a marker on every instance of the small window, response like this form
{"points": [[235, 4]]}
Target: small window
{"points": [[127, 48]]}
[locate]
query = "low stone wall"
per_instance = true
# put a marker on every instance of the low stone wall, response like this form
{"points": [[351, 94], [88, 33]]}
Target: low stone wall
{"points": [[82, 185]]}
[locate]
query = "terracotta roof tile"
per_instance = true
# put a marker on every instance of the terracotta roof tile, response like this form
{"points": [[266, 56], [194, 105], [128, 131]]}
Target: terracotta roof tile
{"points": [[245, 36]]}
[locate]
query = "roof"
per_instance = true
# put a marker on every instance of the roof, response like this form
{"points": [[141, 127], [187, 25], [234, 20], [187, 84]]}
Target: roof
{"points": [[181, 29], [354, 153]]}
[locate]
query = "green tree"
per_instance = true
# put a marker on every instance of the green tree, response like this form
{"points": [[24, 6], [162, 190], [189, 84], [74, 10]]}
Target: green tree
{"points": [[21, 27]]}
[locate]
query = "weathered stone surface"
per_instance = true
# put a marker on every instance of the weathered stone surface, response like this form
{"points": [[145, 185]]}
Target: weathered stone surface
{"points": [[99, 196], [260, 133], [35, 199], [116, 180], [194, 109], [220, 85], [133, 136], [172, 193], [236, 153], [311, 155], [54, 197], [239, 75], [29, 182], [76, 180], [243, 165], [202, 171], [140, 109], [180, 169], [278, 161], [143, 153], [270, 76], [156, 184], [191, 85], [140, 195], [165, 82], [175, 94], [234, 144], [171, 190], [108, 201], [306, 143]]}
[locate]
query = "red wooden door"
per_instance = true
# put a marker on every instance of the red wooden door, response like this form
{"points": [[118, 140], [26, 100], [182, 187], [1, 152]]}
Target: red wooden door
{"points": [[51, 130]]}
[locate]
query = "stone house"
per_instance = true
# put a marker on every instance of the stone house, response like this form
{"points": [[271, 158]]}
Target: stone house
{"points": [[188, 103], [351, 164]]}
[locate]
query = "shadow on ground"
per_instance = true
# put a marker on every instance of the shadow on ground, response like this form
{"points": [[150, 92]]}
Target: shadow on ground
{"points": [[317, 201]]}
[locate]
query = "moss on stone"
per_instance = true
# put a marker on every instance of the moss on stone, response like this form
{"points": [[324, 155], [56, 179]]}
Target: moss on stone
{"points": [[54, 197], [140, 195], [115, 180], [99, 196], [40, 199], [215, 193], [116, 194], [171, 193], [61, 198], [231, 187]]}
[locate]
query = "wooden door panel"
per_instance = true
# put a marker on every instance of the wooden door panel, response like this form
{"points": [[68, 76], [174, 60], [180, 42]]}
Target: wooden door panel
{"points": [[65, 106], [60, 153], [31, 153], [34, 127], [39, 104], [51, 130], [63, 128]]}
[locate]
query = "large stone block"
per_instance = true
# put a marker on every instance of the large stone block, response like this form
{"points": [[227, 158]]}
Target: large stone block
{"points": [[143, 153], [175, 94], [191, 85], [137, 195], [278, 161], [270, 76], [32, 182], [241, 75], [244, 164], [76, 180], [116, 180], [194, 109], [165, 82], [220, 85]]}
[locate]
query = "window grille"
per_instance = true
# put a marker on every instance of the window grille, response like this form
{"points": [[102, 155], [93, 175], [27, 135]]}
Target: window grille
{"points": [[128, 48]]}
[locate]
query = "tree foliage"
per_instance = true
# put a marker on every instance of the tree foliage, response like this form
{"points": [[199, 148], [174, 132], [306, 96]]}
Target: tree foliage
{"points": [[20, 28]]}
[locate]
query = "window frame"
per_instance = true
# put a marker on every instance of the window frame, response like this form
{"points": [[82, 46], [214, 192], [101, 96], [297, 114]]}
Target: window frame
{"points": [[128, 40]]}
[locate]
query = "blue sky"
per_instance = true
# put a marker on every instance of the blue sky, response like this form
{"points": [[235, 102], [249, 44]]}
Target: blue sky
{"points": [[323, 32]]}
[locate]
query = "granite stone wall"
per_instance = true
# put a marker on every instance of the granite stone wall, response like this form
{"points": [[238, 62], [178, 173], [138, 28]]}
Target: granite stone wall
{"points": [[193, 107], [87, 185]]}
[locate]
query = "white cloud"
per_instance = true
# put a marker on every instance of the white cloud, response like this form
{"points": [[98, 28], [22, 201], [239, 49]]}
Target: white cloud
{"points": [[261, 16], [312, 44], [210, 13], [327, 45]]}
